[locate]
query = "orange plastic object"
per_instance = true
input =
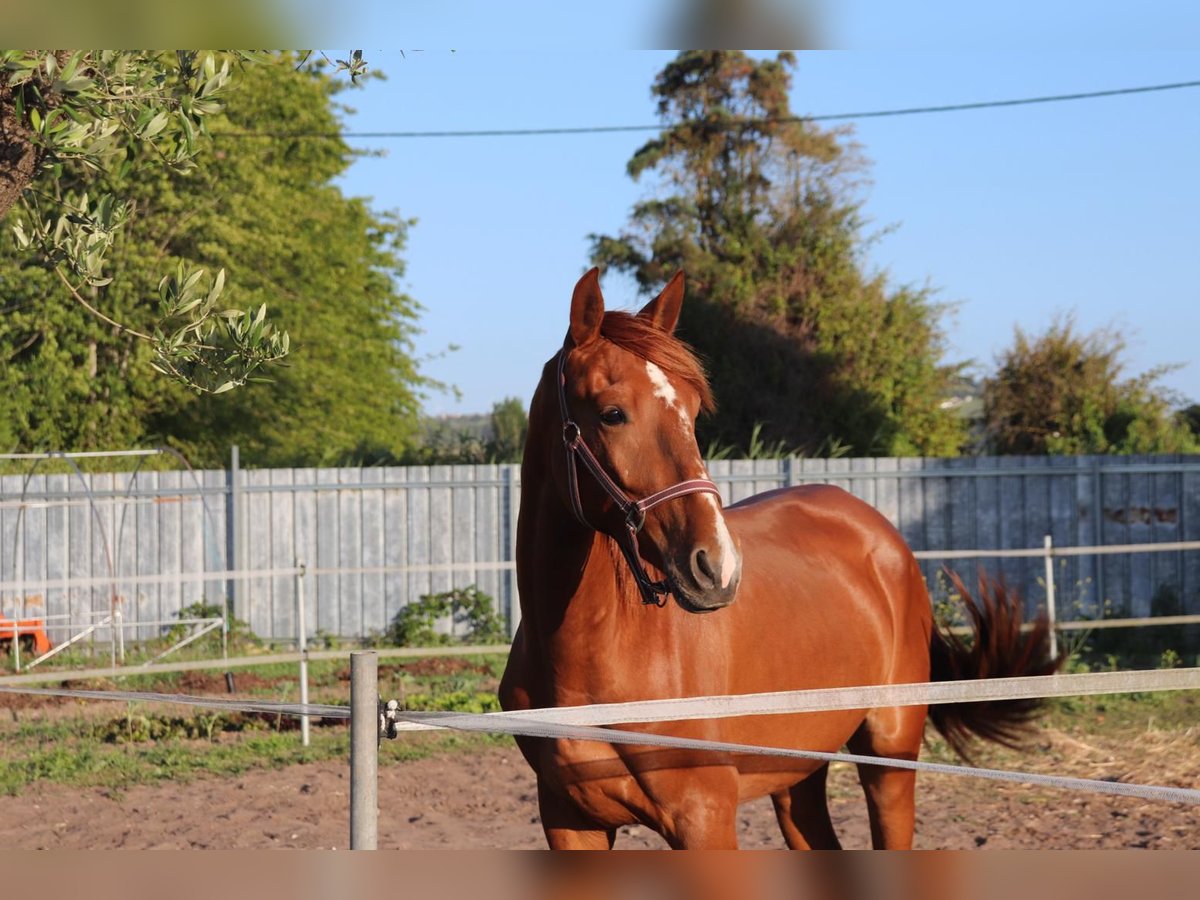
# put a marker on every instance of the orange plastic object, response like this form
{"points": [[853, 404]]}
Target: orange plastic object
{"points": [[30, 632]]}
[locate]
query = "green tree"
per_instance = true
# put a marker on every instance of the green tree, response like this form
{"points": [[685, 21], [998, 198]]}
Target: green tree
{"points": [[1189, 416], [98, 112], [1063, 392], [509, 423], [759, 208], [265, 210]]}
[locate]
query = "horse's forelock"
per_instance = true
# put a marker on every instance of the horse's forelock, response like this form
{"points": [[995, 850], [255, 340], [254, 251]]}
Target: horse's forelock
{"points": [[649, 342]]}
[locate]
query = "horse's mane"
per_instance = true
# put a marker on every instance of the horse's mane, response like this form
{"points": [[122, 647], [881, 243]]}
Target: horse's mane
{"points": [[645, 340]]}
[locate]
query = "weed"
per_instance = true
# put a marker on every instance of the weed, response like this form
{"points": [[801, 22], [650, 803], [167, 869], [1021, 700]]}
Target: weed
{"points": [[757, 448]]}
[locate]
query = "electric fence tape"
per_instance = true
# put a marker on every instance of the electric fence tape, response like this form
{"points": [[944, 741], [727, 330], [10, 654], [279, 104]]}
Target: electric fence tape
{"points": [[315, 710], [534, 727], [582, 722]]}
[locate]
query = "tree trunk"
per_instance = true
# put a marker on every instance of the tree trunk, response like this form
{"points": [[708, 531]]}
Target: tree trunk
{"points": [[19, 156]]}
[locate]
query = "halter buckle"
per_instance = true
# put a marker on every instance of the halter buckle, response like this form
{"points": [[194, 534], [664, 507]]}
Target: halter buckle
{"points": [[654, 598], [571, 434]]}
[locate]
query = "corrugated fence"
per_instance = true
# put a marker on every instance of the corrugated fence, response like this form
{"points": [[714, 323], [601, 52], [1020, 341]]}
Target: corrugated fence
{"points": [[418, 530]]}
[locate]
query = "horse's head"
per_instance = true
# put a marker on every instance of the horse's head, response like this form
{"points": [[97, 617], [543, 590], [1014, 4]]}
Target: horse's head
{"points": [[628, 463]]}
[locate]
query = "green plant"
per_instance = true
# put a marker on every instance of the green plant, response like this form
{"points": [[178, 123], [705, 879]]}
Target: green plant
{"points": [[472, 614], [455, 701], [1074, 605], [325, 640], [1170, 659], [1065, 392], [831, 447], [239, 632], [947, 602]]}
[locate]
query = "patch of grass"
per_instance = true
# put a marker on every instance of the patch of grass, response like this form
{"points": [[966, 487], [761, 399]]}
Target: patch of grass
{"points": [[83, 761], [115, 746], [1092, 737], [1124, 714]]}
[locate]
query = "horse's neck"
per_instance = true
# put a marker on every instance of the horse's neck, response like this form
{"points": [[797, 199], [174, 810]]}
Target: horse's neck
{"points": [[573, 583], [579, 603], [555, 555]]}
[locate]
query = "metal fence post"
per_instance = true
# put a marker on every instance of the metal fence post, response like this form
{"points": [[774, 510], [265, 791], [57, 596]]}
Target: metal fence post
{"points": [[791, 471], [1051, 613], [1098, 533], [508, 549], [235, 535], [120, 619], [364, 749], [302, 645]]}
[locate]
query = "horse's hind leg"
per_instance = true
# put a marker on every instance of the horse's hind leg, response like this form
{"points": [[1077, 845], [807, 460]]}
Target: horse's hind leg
{"points": [[803, 814], [890, 792]]}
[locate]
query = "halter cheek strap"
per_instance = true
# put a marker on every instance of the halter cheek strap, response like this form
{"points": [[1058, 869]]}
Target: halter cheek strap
{"points": [[634, 511]]}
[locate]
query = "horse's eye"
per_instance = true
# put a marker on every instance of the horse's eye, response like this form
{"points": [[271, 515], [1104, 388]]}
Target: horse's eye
{"points": [[611, 415]]}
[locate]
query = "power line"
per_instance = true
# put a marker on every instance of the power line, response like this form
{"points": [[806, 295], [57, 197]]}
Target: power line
{"points": [[733, 123]]}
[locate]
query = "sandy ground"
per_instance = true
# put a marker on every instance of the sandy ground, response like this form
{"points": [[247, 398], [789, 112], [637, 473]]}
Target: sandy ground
{"points": [[487, 800]]}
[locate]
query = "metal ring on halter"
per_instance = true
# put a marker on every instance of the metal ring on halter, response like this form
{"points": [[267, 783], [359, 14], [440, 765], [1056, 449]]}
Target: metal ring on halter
{"points": [[635, 518], [571, 434]]}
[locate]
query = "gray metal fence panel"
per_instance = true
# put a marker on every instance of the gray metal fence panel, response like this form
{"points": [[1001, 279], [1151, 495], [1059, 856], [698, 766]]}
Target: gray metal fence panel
{"points": [[395, 542], [455, 526]]}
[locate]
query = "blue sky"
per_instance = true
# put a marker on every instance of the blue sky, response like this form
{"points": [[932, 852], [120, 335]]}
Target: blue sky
{"points": [[1012, 215]]}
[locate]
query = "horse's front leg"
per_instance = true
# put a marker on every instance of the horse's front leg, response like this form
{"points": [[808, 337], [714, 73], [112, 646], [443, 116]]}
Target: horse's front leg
{"points": [[566, 827], [711, 832], [702, 815]]}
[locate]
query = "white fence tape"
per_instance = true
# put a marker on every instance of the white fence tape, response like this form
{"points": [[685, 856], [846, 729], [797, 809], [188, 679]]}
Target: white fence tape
{"points": [[318, 710], [130, 578], [536, 726], [483, 566], [505, 565], [867, 697], [242, 662], [1036, 552], [571, 722]]}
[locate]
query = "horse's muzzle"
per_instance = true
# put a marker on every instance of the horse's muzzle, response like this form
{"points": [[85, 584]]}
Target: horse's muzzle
{"points": [[699, 589]]}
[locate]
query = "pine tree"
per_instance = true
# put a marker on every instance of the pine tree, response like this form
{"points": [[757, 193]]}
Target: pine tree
{"points": [[805, 348]]}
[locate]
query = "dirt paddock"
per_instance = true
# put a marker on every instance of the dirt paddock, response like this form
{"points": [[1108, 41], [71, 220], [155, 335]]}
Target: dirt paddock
{"points": [[486, 799]]}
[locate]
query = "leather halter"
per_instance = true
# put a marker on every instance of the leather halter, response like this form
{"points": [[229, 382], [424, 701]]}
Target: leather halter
{"points": [[634, 511]]}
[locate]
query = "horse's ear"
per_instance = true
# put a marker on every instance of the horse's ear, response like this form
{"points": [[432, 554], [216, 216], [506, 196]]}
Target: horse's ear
{"points": [[587, 309], [663, 310]]}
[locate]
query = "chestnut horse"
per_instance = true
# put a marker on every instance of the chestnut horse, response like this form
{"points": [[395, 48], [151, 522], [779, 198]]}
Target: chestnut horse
{"points": [[806, 587]]}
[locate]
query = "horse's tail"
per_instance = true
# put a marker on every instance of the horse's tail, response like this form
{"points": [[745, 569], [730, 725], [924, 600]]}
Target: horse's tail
{"points": [[995, 648]]}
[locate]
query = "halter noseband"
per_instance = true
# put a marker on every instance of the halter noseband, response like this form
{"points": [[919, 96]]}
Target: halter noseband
{"points": [[634, 511]]}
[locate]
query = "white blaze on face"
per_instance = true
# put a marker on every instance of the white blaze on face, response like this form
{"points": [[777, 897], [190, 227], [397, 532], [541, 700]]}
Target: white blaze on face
{"points": [[665, 391], [729, 559]]}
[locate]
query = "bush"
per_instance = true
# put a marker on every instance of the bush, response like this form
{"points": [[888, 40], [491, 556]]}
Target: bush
{"points": [[472, 616], [240, 635]]}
